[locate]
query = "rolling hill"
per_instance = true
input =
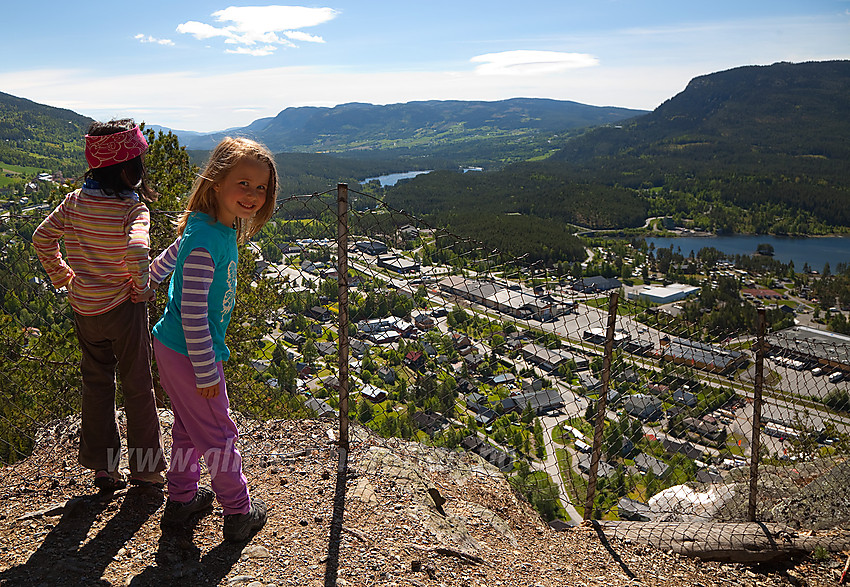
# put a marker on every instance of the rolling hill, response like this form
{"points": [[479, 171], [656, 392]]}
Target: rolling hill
{"points": [[370, 139], [499, 130], [753, 149], [35, 135], [770, 141]]}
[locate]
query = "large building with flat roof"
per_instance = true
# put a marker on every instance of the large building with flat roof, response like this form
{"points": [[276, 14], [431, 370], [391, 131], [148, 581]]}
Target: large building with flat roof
{"points": [[398, 264], [513, 301], [699, 355], [664, 295], [809, 344]]}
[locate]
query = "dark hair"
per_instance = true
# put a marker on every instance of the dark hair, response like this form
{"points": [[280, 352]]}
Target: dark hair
{"points": [[118, 178]]}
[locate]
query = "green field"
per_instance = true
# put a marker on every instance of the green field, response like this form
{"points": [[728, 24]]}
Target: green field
{"points": [[9, 174], [24, 171]]}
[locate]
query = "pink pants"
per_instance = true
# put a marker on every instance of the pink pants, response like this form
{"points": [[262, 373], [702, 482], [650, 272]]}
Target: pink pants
{"points": [[202, 427]]}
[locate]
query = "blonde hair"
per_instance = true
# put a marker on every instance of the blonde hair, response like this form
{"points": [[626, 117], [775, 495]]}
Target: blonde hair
{"points": [[229, 152]]}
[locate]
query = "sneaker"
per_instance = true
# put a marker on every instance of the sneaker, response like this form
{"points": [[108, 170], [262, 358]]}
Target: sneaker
{"points": [[178, 513], [109, 481], [240, 527]]}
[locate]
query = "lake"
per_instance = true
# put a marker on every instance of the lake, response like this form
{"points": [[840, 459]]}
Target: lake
{"points": [[814, 250], [394, 178]]}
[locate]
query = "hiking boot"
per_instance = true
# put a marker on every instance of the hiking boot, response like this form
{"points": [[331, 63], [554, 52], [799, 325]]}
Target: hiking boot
{"points": [[240, 527], [178, 513]]}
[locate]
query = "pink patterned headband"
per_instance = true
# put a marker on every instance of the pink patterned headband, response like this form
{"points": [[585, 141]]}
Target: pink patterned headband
{"points": [[105, 150]]}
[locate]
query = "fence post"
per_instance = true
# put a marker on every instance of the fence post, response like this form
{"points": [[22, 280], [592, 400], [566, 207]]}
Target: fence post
{"points": [[755, 446], [342, 281], [601, 405], [332, 566]]}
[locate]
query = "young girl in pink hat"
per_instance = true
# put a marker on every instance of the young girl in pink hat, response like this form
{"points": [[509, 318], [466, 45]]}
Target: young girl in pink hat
{"points": [[105, 227]]}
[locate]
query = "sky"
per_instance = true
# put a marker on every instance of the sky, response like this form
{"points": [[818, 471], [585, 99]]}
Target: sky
{"points": [[212, 65]]}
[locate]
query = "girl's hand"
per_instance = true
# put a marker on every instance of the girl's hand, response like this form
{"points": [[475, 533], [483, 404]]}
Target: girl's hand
{"points": [[208, 392], [147, 295]]}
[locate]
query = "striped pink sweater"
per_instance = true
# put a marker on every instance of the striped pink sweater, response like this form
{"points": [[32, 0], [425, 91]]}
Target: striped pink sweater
{"points": [[107, 242]]}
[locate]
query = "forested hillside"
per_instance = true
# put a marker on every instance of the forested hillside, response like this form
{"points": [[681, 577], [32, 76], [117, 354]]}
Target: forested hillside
{"points": [[524, 209], [35, 135], [469, 132], [753, 149]]}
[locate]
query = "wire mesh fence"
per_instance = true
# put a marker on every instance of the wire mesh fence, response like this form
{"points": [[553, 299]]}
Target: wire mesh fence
{"points": [[598, 398]]}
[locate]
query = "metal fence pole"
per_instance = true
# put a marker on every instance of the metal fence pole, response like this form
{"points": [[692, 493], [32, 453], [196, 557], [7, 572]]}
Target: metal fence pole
{"points": [[755, 445], [332, 565], [601, 405]]}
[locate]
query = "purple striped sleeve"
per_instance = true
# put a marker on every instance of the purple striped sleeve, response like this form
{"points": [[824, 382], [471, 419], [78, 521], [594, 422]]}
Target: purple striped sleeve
{"points": [[198, 271], [164, 264]]}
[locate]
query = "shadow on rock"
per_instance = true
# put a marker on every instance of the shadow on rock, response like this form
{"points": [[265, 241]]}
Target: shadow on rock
{"points": [[60, 558], [179, 560]]}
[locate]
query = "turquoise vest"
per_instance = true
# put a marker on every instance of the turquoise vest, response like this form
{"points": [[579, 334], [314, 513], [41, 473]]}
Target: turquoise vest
{"points": [[220, 241]]}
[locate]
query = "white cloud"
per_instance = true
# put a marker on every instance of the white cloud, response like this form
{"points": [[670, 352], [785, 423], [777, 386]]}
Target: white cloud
{"points": [[301, 36], [258, 52], [630, 73], [531, 62], [249, 26], [149, 39], [200, 30], [274, 18]]}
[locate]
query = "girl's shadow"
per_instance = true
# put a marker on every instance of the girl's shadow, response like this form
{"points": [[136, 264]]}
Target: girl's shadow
{"points": [[179, 561], [61, 556]]}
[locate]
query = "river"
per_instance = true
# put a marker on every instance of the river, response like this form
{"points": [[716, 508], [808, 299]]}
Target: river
{"points": [[813, 250]]}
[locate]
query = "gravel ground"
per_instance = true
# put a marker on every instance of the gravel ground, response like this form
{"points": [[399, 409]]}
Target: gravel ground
{"points": [[413, 516]]}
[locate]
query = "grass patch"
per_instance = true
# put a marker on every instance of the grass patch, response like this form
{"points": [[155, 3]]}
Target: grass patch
{"points": [[574, 484], [732, 444], [558, 434], [20, 169], [597, 303]]}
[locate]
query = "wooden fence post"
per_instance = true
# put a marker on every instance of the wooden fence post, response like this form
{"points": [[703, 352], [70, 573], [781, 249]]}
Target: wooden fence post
{"points": [[332, 564], [601, 405], [755, 442]]}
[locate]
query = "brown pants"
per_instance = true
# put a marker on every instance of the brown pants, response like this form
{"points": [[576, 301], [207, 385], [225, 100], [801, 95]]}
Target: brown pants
{"points": [[119, 337]]}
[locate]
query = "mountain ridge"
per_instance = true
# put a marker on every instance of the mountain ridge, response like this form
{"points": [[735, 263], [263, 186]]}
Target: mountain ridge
{"points": [[781, 98], [360, 126], [753, 149], [756, 149]]}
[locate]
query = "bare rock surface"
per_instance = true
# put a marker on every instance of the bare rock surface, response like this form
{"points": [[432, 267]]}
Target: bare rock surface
{"points": [[414, 516]]}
